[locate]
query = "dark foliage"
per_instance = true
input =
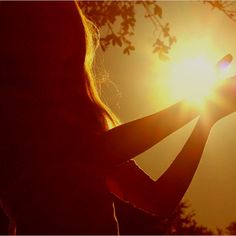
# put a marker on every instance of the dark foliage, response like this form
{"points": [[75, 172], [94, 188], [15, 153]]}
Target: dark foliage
{"points": [[134, 221], [231, 228], [227, 7], [117, 19]]}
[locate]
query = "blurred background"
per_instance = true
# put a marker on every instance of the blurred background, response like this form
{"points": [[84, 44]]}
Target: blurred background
{"points": [[140, 82]]}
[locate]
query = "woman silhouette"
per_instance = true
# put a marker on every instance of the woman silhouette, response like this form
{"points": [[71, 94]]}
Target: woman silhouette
{"points": [[62, 153]]}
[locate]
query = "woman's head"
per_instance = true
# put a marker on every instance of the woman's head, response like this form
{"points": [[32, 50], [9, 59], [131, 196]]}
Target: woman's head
{"points": [[46, 50], [39, 39]]}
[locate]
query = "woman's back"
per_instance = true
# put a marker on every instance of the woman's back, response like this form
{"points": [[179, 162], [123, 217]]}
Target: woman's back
{"points": [[50, 181], [54, 187]]}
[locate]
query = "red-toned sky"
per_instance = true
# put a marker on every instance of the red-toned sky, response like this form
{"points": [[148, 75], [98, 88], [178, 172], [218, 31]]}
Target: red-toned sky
{"points": [[141, 80]]}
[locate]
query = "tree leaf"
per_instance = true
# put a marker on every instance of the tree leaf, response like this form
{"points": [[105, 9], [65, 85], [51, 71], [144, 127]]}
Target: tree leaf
{"points": [[158, 10], [126, 51], [118, 41], [166, 30], [132, 47]]}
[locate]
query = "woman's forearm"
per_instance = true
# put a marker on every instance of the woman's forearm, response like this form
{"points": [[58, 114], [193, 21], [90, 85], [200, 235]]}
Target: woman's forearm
{"points": [[172, 185], [128, 140]]}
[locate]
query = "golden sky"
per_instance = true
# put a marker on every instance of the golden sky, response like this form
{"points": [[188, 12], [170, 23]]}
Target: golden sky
{"points": [[142, 80]]}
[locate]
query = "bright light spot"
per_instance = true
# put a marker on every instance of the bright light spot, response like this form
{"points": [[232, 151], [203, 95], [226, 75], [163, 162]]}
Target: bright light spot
{"points": [[192, 72], [192, 79]]}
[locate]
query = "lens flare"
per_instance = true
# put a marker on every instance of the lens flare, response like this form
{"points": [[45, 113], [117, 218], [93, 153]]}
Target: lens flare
{"points": [[193, 79]]}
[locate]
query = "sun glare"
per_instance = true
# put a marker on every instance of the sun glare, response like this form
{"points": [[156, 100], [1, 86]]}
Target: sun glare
{"points": [[192, 79], [195, 68]]}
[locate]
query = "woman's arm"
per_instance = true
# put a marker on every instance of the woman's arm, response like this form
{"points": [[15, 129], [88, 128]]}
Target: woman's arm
{"points": [[161, 197], [128, 140], [172, 185]]}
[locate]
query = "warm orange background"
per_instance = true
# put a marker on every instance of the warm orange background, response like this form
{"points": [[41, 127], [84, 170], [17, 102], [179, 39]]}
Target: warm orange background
{"points": [[141, 80]]}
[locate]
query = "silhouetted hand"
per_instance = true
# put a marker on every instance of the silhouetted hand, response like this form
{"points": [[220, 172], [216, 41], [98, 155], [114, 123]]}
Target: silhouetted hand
{"points": [[223, 100]]}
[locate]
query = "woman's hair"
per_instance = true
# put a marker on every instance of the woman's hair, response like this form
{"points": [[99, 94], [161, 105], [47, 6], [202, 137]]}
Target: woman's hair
{"points": [[34, 36], [92, 42]]}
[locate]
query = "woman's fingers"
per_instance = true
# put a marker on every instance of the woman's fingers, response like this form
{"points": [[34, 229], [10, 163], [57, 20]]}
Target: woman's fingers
{"points": [[224, 62], [223, 102]]}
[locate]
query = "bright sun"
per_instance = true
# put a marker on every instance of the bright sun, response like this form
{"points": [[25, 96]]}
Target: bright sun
{"points": [[195, 68], [193, 71], [192, 79]]}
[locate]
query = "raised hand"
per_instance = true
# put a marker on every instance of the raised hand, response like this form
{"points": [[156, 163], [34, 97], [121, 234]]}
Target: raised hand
{"points": [[223, 101]]}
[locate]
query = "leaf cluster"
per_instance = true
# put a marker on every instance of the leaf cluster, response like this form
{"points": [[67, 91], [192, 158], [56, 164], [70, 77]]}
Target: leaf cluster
{"points": [[117, 20], [181, 222], [105, 15], [133, 221], [227, 7]]}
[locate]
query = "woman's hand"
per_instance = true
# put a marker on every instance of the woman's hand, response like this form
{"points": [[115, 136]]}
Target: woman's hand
{"points": [[222, 101]]}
